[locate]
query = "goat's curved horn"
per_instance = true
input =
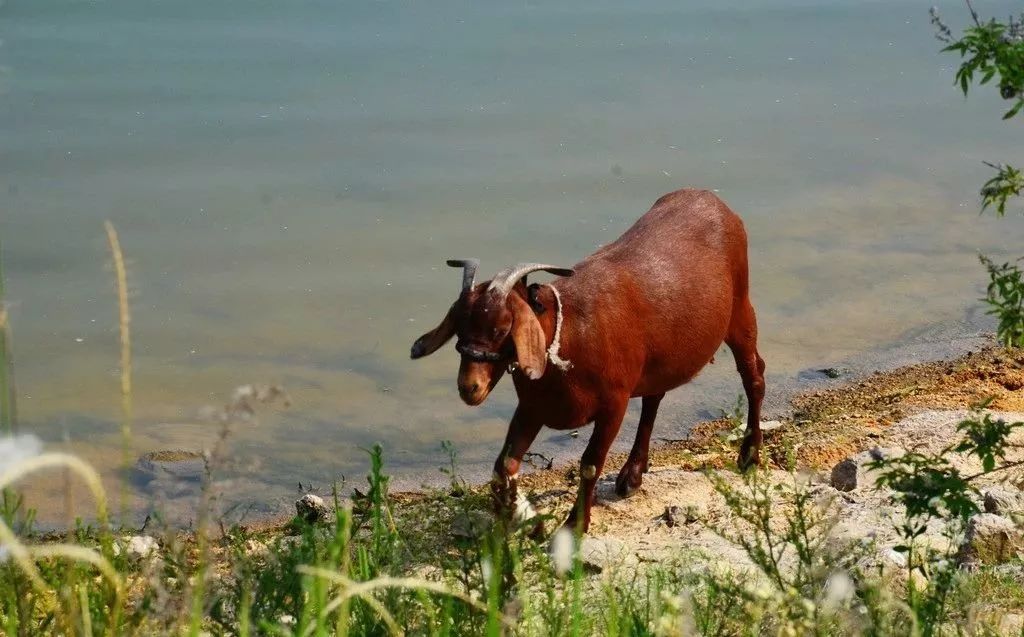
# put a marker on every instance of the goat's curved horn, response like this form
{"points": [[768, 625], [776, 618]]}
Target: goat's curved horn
{"points": [[505, 280], [469, 267]]}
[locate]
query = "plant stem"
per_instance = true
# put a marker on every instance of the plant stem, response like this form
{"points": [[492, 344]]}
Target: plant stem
{"points": [[8, 402], [124, 324]]}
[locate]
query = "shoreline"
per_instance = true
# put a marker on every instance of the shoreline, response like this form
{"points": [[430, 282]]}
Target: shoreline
{"points": [[824, 423], [942, 342]]}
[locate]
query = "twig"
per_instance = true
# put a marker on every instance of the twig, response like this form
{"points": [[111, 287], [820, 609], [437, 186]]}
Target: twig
{"points": [[974, 14], [1008, 465]]}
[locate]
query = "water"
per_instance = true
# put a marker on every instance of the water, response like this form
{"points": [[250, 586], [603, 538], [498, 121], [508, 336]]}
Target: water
{"points": [[288, 178]]}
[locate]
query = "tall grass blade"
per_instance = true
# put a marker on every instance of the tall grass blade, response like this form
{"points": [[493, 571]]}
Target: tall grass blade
{"points": [[8, 402], [124, 323]]}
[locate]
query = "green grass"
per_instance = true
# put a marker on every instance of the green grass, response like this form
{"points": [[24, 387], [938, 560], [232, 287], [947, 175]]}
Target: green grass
{"points": [[380, 567], [8, 406]]}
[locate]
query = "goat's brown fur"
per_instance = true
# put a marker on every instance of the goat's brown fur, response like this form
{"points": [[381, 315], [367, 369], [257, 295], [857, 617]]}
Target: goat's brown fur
{"points": [[641, 316]]}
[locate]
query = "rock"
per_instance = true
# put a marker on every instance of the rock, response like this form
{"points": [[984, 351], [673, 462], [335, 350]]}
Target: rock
{"points": [[255, 547], [853, 472], [180, 464], [890, 566], [770, 425], [673, 515], [844, 475], [814, 373], [137, 546], [833, 372], [990, 539], [470, 525], [600, 554], [894, 558], [1011, 624], [312, 508], [1003, 501]]}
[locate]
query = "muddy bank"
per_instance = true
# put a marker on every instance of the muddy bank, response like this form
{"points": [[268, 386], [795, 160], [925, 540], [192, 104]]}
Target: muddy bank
{"points": [[825, 412], [912, 407]]}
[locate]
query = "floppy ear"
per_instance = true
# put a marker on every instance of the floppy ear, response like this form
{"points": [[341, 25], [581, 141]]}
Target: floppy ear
{"points": [[434, 339], [528, 337]]}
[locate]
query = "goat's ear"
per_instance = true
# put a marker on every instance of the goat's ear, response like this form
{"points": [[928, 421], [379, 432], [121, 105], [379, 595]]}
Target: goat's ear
{"points": [[528, 337], [435, 338]]}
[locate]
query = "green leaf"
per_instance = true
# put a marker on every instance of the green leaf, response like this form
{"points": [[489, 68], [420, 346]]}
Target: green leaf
{"points": [[1013, 111]]}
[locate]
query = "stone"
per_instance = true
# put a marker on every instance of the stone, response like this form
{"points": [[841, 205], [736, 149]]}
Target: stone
{"points": [[673, 515], [853, 472], [312, 508], [844, 475], [1011, 624], [169, 466], [822, 373], [470, 525], [991, 539], [600, 554], [137, 546], [1004, 501]]}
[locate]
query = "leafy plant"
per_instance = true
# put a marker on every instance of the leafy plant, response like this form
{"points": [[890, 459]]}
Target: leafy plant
{"points": [[930, 488], [1005, 298], [993, 50], [786, 532]]}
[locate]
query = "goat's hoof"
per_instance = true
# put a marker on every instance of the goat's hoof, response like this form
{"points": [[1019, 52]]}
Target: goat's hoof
{"points": [[748, 459], [628, 482], [572, 524]]}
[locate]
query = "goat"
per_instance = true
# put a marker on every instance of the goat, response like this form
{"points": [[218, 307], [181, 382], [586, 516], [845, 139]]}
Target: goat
{"points": [[639, 317]]}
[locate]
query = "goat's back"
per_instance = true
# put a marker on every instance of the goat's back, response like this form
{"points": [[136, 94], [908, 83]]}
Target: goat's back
{"points": [[662, 296]]}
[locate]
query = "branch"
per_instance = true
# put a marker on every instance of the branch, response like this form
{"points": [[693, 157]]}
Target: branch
{"points": [[974, 14]]}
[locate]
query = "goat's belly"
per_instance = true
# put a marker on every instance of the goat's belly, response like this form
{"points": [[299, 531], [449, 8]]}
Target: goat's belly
{"points": [[681, 363]]}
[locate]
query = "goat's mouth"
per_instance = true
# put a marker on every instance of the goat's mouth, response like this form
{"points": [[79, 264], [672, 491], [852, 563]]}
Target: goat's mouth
{"points": [[474, 397], [476, 380]]}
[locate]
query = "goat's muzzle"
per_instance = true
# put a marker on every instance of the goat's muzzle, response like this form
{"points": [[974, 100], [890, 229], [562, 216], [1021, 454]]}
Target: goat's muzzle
{"points": [[477, 379]]}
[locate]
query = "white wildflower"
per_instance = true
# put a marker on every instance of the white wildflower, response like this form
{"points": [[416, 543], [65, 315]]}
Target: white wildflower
{"points": [[839, 589], [17, 449], [562, 546], [524, 510], [486, 569]]}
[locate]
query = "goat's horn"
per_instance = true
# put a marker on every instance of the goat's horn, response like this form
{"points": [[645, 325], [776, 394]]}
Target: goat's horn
{"points": [[505, 280], [469, 267]]}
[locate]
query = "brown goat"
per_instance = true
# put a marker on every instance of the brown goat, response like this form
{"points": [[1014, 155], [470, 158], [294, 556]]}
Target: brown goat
{"points": [[639, 317]]}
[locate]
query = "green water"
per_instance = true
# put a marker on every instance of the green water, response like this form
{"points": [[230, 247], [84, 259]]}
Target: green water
{"points": [[289, 177]]}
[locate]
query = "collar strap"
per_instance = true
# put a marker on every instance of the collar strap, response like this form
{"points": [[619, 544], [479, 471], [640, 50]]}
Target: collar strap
{"points": [[479, 355]]}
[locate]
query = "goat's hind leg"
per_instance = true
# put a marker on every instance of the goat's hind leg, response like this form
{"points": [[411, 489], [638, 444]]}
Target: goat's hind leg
{"points": [[632, 474], [742, 340]]}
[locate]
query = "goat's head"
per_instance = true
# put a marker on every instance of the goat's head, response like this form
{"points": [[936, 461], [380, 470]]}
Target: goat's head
{"points": [[495, 326]]}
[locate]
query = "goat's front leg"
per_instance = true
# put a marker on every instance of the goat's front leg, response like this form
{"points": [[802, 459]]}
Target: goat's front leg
{"points": [[522, 430], [606, 427], [632, 474]]}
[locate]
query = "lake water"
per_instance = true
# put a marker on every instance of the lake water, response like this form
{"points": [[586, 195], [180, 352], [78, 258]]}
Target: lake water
{"points": [[289, 177]]}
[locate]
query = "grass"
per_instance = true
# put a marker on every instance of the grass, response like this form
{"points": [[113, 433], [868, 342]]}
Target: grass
{"points": [[378, 569], [124, 320], [8, 405], [383, 566]]}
